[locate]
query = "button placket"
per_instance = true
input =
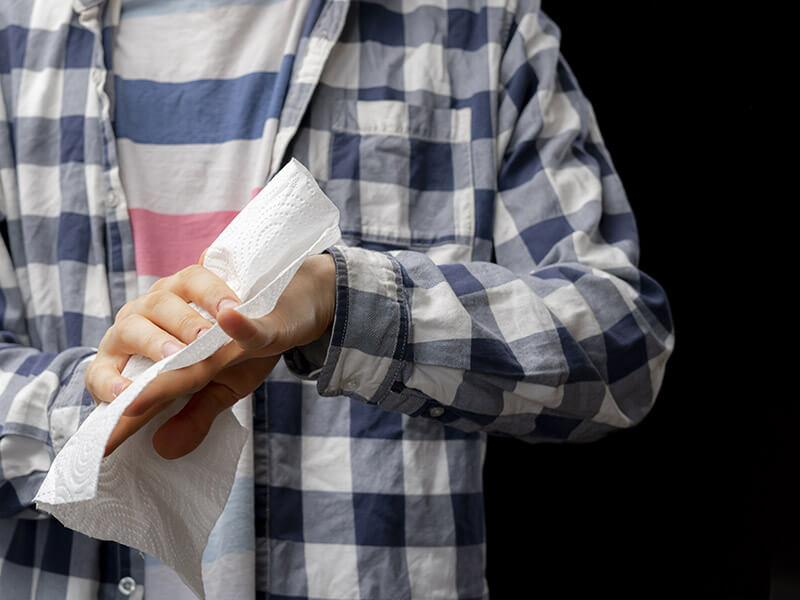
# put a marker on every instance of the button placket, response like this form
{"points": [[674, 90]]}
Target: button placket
{"points": [[99, 77]]}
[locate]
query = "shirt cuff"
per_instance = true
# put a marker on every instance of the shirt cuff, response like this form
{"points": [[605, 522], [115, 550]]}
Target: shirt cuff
{"points": [[71, 407], [370, 333], [27, 450], [368, 352], [307, 361]]}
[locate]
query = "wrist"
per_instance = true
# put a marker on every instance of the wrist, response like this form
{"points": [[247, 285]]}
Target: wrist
{"points": [[323, 271]]}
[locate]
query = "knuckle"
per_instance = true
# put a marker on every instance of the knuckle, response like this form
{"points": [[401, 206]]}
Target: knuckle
{"points": [[284, 329], [180, 281], [189, 273], [109, 338], [189, 325], [90, 381], [127, 330], [166, 284], [124, 312], [130, 323], [88, 376], [153, 342], [157, 285], [186, 323], [152, 300]]}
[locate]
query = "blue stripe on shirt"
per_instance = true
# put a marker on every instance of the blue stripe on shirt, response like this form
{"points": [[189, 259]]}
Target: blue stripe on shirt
{"points": [[206, 111]]}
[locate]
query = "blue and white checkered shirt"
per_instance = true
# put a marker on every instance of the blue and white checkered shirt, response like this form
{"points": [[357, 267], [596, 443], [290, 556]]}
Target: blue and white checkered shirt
{"points": [[488, 284]]}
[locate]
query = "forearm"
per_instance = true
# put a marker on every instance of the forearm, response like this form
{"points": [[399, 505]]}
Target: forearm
{"points": [[566, 352], [42, 403]]}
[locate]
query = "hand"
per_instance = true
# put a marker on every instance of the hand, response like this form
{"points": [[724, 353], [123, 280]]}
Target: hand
{"points": [[161, 322]]}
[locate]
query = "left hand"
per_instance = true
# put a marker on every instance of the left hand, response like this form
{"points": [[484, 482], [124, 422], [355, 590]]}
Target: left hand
{"points": [[163, 319]]}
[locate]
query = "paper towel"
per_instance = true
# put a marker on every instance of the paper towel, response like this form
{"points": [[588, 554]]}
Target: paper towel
{"points": [[167, 508]]}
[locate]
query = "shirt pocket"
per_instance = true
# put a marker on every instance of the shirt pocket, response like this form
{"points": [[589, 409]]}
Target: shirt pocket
{"points": [[402, 177]]}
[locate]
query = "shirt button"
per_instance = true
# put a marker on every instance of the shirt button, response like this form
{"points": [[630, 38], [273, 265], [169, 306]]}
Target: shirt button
{"points": [[436, 412], [113, 198], [126, 586]]}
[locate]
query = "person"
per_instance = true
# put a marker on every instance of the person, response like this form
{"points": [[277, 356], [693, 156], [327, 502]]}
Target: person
{"points": [[486, 283]]}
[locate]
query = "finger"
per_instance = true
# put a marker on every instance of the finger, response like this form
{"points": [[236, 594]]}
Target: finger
{"points": [[185, 431], [103, 377], [302, 314], [188, 380], [127, 426], [133, 335], [169, 312], [168, 386], [245, 376], [199, 285], [138, 335]]}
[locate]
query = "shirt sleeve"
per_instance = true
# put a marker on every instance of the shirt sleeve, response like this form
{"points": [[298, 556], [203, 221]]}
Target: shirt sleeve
{"points": [[42, 395], [562, 337]]}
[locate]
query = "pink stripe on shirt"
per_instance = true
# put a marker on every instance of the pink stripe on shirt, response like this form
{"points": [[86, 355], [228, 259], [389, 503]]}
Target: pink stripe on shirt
{"points": [[165, 244]]}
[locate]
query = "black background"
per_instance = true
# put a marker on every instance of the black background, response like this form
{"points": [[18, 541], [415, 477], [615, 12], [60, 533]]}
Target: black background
{"points": [[694, 502]]}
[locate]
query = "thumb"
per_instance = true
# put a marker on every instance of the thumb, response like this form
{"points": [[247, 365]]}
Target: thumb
{"points": [[267, 333]]}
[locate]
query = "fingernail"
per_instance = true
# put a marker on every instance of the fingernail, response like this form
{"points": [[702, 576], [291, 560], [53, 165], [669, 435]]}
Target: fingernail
{"points": [[118, 386], [227, 303], [169, 349]]}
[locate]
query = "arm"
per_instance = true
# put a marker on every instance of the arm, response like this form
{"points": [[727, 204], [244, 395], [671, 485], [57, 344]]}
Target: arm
{"points": [[42, 399], [562, 337]]}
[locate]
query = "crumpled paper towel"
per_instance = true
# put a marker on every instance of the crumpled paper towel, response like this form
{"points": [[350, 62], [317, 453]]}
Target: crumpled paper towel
{"points": [[167, 508]]}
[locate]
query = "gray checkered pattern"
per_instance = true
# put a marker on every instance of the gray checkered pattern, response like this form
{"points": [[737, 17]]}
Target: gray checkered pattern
{"points": [[488, 282]]}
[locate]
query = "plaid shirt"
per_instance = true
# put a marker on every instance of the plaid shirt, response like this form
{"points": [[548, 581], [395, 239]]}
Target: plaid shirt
{"points": [[487, 284]]}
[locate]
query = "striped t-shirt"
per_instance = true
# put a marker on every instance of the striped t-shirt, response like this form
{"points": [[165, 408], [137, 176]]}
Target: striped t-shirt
{"points": [[198, 89]]}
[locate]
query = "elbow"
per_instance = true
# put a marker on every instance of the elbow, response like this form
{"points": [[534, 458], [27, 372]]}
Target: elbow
{"points": [[631, 392], [637, 348], [626, 392]]}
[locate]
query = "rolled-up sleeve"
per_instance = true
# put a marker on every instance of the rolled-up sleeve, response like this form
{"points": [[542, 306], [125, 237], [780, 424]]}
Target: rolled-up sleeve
{"points": [[42, 403], [42, 396], [561, 337]]}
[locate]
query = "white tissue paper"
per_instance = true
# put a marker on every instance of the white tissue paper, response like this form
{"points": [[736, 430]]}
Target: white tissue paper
{"points": [[167, 508]]}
